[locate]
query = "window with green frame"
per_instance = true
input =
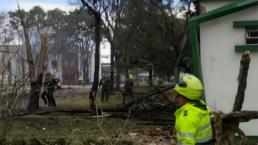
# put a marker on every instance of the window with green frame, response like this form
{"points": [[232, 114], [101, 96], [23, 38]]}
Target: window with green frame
{"points": [[251, 35]]}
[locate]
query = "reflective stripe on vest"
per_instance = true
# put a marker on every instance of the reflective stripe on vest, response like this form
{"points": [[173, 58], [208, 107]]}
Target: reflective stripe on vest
{"points": [[204, 140], [208, 125], [185, 134], [208, 137]]}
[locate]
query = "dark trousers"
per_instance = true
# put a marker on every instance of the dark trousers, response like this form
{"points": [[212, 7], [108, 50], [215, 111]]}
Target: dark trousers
{"points": [[44, 93], [50, 100], [104, 94], [128, 96]]}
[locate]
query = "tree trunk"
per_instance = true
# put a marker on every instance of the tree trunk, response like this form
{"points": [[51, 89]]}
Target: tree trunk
{"points": [[43, 52], [34, 95], [36, 85], [126, 61], [179, 57], [150, 75], [112, 69], [94, 89], [228, 124], [118, 77], [28, 48], [242, 81]]}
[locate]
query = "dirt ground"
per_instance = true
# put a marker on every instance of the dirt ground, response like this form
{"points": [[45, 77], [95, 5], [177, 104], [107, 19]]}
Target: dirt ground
{"points": [[82, 128], [59, 128], [77, 128]]}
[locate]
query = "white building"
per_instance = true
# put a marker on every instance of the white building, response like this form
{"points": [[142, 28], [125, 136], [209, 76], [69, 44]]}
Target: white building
{"points": [[227, 28], [67, 64], [12, 63], [64, 63], [104, 58]]}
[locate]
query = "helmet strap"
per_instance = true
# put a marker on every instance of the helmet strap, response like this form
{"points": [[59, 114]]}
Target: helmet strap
{"points": [[199, 104]]}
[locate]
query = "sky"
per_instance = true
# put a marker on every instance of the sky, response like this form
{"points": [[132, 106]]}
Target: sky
{"points": [[11, 5]]}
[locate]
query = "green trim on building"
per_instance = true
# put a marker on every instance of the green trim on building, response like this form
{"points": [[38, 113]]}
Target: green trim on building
{"points": [[195, 50], [195, 22], [226, 10], [245, 24], [250, 47], [220, 12]]}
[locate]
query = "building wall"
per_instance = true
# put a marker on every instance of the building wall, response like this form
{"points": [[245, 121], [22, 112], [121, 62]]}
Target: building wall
{"points": [[69, 63], [70, 70], [13, 63], [220, 64]]}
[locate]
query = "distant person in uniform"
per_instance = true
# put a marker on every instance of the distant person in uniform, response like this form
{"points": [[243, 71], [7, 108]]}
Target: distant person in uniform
{"points": [[50, 84], [128, 88], [81, 80], [105, 84]]}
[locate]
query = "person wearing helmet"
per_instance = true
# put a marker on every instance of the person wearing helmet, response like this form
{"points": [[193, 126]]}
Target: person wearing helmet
{"points": [[193, 125], [128, 89]]}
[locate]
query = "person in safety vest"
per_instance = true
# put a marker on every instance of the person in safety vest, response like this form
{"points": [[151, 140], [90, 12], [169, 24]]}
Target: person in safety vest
{"points": [[193, 125], [128, 89]]}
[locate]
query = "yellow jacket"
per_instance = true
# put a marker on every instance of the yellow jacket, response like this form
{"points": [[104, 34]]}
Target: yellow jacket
{"points": [[192, 125]]}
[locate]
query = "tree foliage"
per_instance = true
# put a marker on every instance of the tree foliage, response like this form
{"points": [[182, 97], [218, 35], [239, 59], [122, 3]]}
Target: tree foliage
{"points": [[151, 34]]}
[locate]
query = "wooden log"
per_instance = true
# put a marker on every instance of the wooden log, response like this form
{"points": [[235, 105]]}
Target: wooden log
{"points": [[154, 92], [240, 116], [239, 99], [242, 80], [227, 125]]}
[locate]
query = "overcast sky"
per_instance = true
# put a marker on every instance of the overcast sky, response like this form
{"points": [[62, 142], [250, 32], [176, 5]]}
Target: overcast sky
{"points": [[10, 5]]}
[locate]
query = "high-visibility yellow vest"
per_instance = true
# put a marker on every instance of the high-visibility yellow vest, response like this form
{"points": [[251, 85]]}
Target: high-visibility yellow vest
{"points": [[192, 125], [81, 78]]}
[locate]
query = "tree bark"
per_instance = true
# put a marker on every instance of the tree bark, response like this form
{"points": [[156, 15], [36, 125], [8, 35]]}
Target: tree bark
{"points": [[150, 75], [42, 55], [228, 124], [179, 57], [112, 67], [126, 61], [34, 95], [242, 80], [28, 48], [118, 74], [36, 85], [94, 88]]}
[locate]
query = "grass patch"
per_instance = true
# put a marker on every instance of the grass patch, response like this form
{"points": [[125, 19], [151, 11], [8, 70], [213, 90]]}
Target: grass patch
{"points": [[83, 102], [71, 129]]}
